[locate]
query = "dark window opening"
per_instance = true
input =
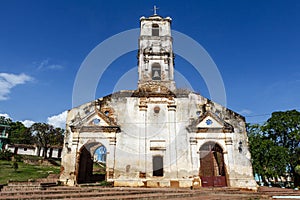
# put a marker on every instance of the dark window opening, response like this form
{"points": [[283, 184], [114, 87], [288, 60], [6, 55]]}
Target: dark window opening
{"points": [[158, 168], [155, 30]]}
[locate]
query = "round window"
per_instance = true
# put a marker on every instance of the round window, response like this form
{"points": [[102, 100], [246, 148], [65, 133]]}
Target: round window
{"points": [[156, 109]]}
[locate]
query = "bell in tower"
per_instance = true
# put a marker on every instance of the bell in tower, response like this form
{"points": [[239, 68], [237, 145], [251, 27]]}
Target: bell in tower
{"points": [[156, 73]]}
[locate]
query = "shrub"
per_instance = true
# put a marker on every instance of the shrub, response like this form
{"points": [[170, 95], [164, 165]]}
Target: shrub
{"points": [[5, 155], [15, 165], [18, 158], [105, 183], [297, 169]]}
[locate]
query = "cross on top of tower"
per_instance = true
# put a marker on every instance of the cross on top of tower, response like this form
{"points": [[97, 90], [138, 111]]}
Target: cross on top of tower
{"points": [[155, 9]]}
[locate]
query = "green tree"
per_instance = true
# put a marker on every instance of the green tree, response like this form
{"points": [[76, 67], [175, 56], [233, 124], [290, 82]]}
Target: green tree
{"points": [[19, 134], [268, 159], [283, 128], [5, 154], [5, 121], [46, 135], [58, 137], [297, 169]]}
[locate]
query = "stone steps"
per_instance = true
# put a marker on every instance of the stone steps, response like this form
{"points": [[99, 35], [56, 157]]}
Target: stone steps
{"points": [[72, 191], [185, 195], [27, 187], [81, 193], [20, 188], [90, 193], [131, 195], [279, 192], [143, 196], [110, 193]]}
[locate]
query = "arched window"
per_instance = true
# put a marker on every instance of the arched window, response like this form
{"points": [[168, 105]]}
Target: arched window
{"points": [[156, 72], [155, 30]]}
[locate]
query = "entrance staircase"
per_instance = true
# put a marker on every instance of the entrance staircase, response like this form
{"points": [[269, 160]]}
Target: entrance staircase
{"points": [[48, 189], [33, 191]]}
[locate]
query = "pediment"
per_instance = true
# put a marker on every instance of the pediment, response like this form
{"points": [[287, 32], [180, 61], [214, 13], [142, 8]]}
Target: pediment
{"points": [[100, 122], [209, 122], [96, 119]]}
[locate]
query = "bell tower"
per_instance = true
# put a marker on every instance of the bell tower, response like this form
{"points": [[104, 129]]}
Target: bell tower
{"points": [[155, 54]]}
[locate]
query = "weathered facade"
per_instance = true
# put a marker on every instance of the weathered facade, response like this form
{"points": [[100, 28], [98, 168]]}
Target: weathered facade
{"points": [[157, 135]]}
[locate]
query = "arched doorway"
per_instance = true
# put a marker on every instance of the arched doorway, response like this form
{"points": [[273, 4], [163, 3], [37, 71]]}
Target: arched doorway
{"points": [[212, 167], [91, 163]]}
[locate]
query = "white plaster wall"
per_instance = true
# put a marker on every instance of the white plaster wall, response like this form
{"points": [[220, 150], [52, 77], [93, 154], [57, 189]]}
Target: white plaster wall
{"points": [[29, 151], [139, 128], [11, 149], [132, 154], [55, 153]]}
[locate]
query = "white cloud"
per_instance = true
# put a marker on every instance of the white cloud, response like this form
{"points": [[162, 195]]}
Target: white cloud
{"points": [[28, 123], [45, 64], [58, 120], [245, 112], [55, 67], [8, 81], [5, 115]]}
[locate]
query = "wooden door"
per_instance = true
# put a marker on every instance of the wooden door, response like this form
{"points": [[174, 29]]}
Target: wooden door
{"points": [[212, 168]]}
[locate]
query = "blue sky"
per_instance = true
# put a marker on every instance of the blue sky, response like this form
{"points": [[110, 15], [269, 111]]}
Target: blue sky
{"points": [[255, 45]]}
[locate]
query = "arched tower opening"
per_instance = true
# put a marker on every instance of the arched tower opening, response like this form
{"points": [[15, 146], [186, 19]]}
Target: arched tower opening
{"points": [[155, 30]]}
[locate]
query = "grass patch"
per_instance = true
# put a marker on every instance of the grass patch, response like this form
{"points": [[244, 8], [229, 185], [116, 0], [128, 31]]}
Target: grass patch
{"points": [[24, 171], [99, 168]]}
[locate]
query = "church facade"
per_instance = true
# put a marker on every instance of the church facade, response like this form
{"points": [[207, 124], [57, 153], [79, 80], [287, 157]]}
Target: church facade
{"points": [[157, 135]]}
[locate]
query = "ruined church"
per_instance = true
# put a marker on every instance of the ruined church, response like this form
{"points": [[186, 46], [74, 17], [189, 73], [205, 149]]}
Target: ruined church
{"points": [[156, 135]]}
